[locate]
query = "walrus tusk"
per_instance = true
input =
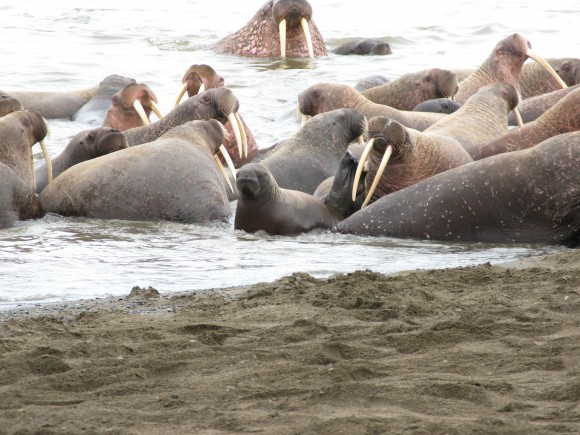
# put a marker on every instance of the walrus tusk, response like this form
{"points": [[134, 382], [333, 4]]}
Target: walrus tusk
{"points": [[243, 134], [156, 110], [223, 171], [305, 119], [306, 30], [548, 68], [360, 140], [141, 112], [33, 173], [229, 161], [282, 31], [181, 94], [518, 116], [236, 128], [361, 164], [379, 174], [47, 162]]}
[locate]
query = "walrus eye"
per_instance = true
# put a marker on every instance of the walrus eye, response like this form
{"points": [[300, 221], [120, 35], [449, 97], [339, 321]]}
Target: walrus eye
{"points": [[91, 136], [566, 66], [428, 77], [115, 99], [205, 98]]}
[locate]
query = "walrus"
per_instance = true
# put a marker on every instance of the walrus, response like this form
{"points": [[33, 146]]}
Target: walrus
{"points": [[527, 196], [535, 80], [93, 111], [8, 104], [563, 117], [55, 104], [533, 107], [408, 90], [323, 97], [218, 103], [131, 107], [313, 153], [438, 105], [197, 79], [19, 131], [445, 145], [364, 46], [85, 145], [264, 206], [17, 201], [504, 64], [173, 178], [280, 28]]}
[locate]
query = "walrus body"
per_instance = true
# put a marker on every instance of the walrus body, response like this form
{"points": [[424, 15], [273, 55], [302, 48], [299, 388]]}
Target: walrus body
{"points": [[528, 196], [17, 200], [173, 178], [264, 206]]}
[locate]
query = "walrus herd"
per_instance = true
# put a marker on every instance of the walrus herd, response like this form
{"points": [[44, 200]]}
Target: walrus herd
{"points": [[434, 154]]}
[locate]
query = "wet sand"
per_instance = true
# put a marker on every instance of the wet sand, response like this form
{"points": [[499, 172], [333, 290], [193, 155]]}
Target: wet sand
{"points": [[483, 349]]}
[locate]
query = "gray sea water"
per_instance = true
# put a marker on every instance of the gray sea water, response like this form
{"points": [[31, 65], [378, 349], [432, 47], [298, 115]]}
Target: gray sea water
{"points": [[75, 44]]}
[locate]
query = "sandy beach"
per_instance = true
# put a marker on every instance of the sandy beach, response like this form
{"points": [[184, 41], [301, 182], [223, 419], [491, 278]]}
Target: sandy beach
{"points": [[483, 349]]}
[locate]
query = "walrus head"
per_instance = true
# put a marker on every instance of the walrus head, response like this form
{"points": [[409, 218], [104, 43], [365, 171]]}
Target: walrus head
{"points": [[252, 179], [105, 140], [134, 98], [290, 15], [197, 79]]}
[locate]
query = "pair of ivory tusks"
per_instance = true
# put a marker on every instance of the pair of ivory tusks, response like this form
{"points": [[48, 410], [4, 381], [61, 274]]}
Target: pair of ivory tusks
{"points": [[305, 29], [47, 161], [184, 89], [230, 164], [141, 111], [379, 174]]}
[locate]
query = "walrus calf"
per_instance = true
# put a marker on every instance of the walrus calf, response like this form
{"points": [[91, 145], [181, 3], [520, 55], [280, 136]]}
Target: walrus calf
{"points": [[264, 206]]}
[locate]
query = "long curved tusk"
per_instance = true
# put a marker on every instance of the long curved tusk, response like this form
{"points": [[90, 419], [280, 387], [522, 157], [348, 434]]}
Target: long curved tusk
{"points": [[243, 134], [181, 94], [361, 164], [141, 112], [379, 174], [156, 110], [47, 161], [236, 128], [33, 173], [306, 30], [223, 171], [282, 31], [548, 68], [518, 116], [229, 161]]}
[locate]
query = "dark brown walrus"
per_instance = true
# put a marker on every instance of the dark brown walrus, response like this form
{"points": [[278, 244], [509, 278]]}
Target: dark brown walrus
{"points": [[280, 28], [264, 206], [528, 196]]}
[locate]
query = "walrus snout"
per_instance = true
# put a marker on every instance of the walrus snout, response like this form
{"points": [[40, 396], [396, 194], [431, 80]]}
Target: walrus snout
{"points": [[39, 127], [292, 11]]}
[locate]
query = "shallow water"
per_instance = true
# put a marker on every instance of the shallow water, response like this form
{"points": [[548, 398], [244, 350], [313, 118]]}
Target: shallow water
{"points": [[70, 45]]}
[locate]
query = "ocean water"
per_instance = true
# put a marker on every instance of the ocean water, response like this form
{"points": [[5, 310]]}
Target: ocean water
{"points": [[70, 45]]}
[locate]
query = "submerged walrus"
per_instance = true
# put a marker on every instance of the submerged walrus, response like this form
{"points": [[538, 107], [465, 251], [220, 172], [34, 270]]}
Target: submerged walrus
{"points": [[280, 28], [264, 206], [528, 196]]}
